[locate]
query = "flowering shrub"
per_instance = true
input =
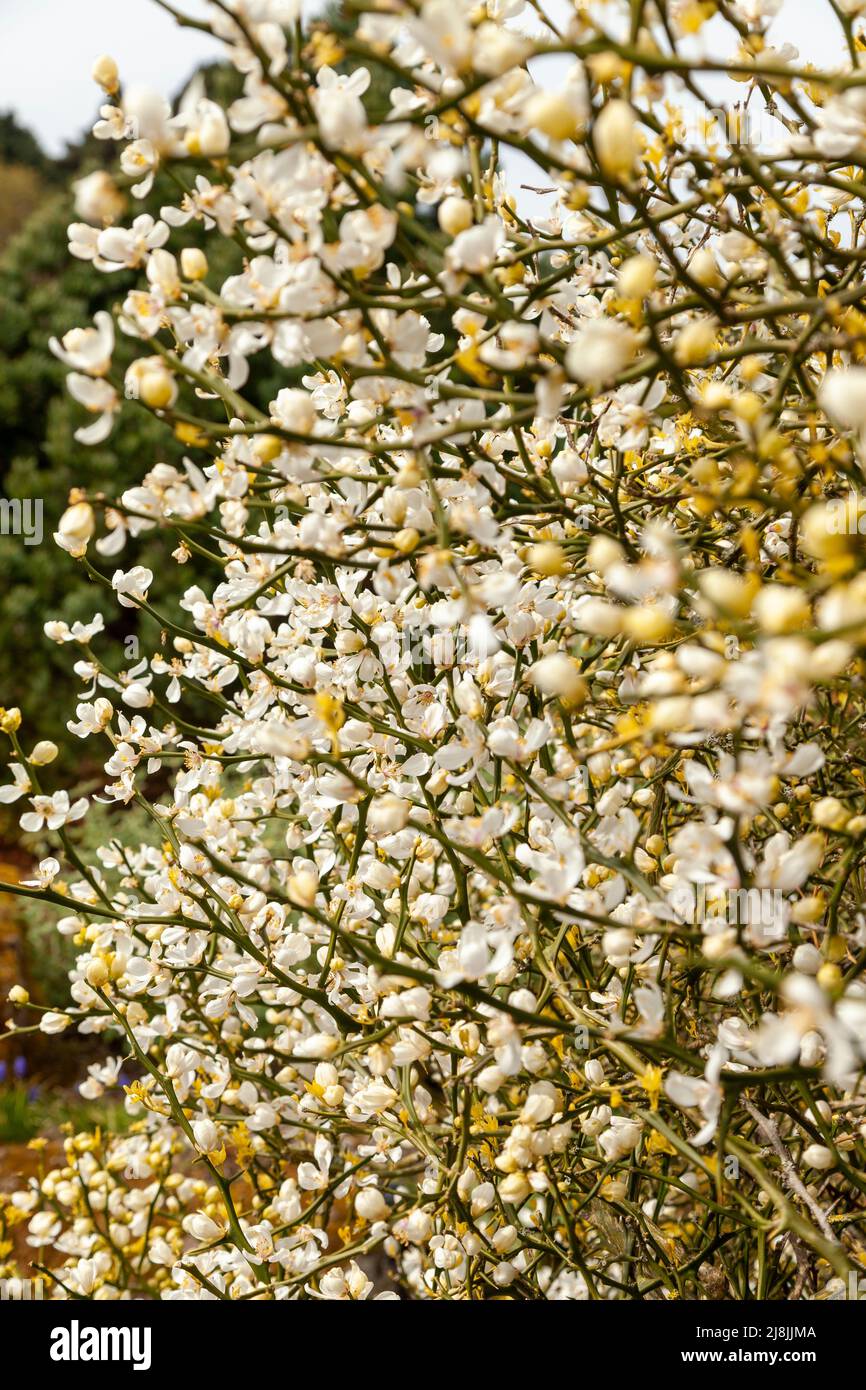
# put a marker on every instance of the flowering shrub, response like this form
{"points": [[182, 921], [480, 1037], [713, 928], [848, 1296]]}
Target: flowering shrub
{"points": [[503, 906]]}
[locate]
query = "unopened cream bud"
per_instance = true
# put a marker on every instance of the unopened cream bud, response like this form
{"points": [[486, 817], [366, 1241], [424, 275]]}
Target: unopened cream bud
{"points": [[647, 624], [807, 911], [637, 277], [371, 1205], [547, 558], [77, 523], [843, 396], [555, 114], [206, 1135], [387, 815], [602, 552], [44, 753], [703, 269], [615, 139], [829, 813], [779, 609], [514, 1189], [455, 215], [817, 1156], [303, 886], [282, 741], [719, 944], [96, 973], [156, 388], [727, 592], [559, 676], [419, 1227], [695, 342], [193, 263]]}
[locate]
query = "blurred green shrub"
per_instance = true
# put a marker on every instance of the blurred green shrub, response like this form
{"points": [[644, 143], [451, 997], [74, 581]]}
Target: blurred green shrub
{"points": [[43, 293]]}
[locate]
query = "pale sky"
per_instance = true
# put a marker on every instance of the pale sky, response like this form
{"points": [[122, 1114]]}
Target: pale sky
{"points": [[47, 48]]}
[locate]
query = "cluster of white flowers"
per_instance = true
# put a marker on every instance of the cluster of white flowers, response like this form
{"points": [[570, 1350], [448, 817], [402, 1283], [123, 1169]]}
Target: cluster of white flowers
{"points": [[524, 673]]}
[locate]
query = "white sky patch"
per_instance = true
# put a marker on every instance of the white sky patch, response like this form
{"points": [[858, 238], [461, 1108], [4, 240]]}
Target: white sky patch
{"points": [[47, 49]]}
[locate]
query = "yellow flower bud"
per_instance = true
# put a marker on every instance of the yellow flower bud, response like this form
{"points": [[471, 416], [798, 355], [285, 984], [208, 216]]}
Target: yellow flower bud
{"points": [[406, 540], [695, 342], [637, 277], [10, 720], [829, 977], [647, 625], [156, 388], [829, 813], [190, 435], [104, 73], [554, 114], [96, 974], [547, 558], [267, 447]]}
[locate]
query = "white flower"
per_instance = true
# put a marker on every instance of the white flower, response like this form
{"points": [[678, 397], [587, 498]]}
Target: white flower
{"points": [[207, 1136], [387, 815], [203, 1228], [700, 1093], [600, 350], [375, 1098], [620, 1138], [476, 249], [131, 587], [293, 410], [117, 247], [52, 1023], [20, 786], [87, 349], [206, 130], [817, 1156], [99, 398], [615, 139], [339, 108], [350, 1284], [52, 812]]}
